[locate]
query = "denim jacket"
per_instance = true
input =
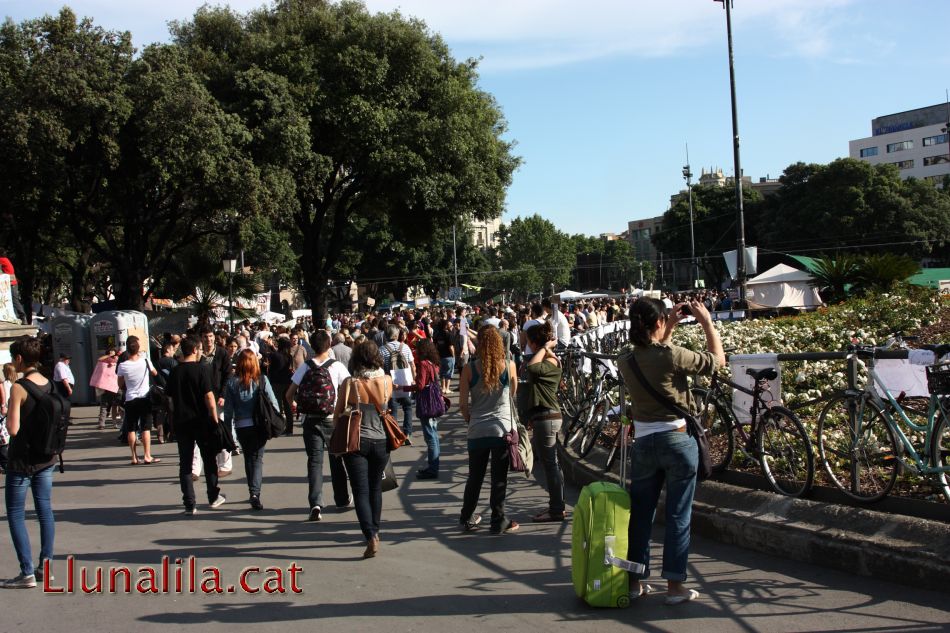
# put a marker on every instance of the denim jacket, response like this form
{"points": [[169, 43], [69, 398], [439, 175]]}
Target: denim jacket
{"points": [[239, 402]]}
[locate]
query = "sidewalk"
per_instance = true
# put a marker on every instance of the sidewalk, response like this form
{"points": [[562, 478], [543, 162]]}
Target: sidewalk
{"points": [[428, 576]]}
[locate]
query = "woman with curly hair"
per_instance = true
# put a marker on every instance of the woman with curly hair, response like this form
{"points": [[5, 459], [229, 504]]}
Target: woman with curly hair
{"points": [[486, 390]]}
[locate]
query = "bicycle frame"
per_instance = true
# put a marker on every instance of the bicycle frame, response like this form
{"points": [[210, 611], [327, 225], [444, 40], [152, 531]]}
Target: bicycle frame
{"points": [[933, 407]]}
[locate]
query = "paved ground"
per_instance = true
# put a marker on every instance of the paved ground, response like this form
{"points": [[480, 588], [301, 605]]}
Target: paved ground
{"points": [[428, 576]]}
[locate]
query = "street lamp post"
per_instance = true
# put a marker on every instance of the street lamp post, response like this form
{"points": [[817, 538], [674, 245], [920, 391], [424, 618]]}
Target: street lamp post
{"points": [[688, 175], [740, 217], [229, 263]]}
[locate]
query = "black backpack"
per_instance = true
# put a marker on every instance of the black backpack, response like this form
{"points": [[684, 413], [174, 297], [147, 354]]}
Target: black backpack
{"points": [[268, 420], [49, 422]]}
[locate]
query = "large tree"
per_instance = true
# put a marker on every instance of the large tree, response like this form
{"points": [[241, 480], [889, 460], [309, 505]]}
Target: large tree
{"points": [[62, 105], [363, 126], [534, 254], [851, 204], [714, 228]]}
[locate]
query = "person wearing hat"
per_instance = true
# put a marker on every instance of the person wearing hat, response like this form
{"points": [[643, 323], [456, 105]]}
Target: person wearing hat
{"points": [[63, 377]]}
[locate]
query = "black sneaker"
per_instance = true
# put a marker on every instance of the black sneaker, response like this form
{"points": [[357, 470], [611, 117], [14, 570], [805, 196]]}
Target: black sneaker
{"points": [[471, 524], [408, 442], [315, 514], [20, 582], [190, 511], [256, 503], [426, 474], [40, 572]]}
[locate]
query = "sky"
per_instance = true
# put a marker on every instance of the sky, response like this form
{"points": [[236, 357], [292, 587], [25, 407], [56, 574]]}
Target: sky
{"points": [[602, 97]]}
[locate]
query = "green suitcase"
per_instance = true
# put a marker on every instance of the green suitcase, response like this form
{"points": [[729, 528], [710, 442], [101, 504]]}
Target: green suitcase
{"points": [[599, 546]]}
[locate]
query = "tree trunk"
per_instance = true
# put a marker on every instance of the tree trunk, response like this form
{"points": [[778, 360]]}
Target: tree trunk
{"points": [[77, 283], [128, 290]]}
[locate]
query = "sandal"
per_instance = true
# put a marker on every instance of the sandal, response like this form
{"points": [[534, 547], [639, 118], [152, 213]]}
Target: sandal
{"points": [[679, 598], [645, 590], [548, 517], [154, 460]]}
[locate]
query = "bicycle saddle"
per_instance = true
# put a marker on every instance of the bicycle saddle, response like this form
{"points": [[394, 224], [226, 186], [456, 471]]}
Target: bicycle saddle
{"points": [[768, 373]]}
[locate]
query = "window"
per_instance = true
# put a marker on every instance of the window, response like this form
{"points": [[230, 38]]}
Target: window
{"points": [[898, 147], [904, 164], [868, 151], [936, 160], [935, 140]]}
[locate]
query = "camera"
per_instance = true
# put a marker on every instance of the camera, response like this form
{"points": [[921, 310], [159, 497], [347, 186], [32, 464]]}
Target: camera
{"points": [[685, 311]]}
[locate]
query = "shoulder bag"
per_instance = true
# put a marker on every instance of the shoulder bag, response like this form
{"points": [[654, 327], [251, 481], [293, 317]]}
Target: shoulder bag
{"points": [[268, 420], [519, 443], [346, 427], [395, 436], [693, 427]]}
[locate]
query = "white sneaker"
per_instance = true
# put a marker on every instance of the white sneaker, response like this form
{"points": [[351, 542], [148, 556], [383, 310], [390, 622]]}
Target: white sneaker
{"points": [[219, 501], [315, 514], [190, 512], [20, 582]]}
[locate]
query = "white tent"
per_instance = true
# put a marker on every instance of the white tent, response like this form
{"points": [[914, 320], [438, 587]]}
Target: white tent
{"points": [[564, 296], [783, 287]]}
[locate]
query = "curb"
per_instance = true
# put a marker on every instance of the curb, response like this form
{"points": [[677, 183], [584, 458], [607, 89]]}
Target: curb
{"points": [[896, 548]]}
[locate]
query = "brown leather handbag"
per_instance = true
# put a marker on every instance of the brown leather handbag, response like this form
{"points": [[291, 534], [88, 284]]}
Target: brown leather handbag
{"points": [[345, 438], [395, 436]]}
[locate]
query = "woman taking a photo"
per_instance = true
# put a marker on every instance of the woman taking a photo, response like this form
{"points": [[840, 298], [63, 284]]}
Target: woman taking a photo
{"points": [[239, 401], [26, 469], [486, 391], [544, 415], [664, 453], [371, 388]]}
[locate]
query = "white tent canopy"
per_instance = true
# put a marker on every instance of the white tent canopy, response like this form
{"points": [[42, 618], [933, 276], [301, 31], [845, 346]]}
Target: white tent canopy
{"points": [[565, 295], [783, 287]]}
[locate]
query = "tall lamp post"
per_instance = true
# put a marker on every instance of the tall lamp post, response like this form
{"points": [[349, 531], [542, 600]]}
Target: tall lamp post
{"points": [[693, 271], [740, 217], [229, 263]]}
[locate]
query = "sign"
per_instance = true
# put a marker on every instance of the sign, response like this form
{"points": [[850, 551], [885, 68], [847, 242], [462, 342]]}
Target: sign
{"points": [[945, 287], [751, 259], [455, 294], [370, 302], [7, 312], [102, 328], [422, 302]]}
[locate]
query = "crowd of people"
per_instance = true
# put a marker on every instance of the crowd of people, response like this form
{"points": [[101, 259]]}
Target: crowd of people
{"points": [[201, 389]]}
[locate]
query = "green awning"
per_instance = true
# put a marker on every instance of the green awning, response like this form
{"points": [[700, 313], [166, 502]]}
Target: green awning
{"points": [[930, 277], [810, 263]]}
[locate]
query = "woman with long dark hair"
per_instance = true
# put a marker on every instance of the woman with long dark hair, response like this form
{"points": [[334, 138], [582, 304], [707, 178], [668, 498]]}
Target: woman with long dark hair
{"points": [[664, 453], [486, 391], [26, 469], [428, 373], [240, 395], [369, 388], [544, 415]]}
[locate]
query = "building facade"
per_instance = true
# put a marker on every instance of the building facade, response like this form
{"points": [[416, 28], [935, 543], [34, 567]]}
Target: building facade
{"points": [[485, 233], [914, 141]]}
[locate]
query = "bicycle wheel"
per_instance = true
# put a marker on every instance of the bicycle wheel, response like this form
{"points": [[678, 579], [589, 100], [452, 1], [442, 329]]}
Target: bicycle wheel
{"points": [[857, 448], [717, 422], [593, 428], [785, 452], [614, 451], [579, 423], [940, 453]]}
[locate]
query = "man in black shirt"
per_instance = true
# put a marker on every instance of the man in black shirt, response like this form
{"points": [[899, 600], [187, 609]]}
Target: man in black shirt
{"points": [[196, 416]]}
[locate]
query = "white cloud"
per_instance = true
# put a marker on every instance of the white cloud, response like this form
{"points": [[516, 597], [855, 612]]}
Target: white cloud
{"points": [[533, 33]]}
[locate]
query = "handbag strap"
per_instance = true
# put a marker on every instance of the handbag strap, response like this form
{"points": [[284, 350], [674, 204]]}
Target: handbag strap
{"points": [[665, 401]]}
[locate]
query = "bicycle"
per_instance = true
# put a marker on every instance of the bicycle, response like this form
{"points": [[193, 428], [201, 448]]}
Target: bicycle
{"points": [[600, 403], [859, 431], [774, 436]]}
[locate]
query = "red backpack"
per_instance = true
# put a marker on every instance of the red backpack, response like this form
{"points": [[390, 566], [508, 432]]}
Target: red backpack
{"points": [[316, 394]]}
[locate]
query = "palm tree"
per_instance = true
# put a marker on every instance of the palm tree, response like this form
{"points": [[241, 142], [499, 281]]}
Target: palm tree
{"points": [[833, 277], [881, 271]]}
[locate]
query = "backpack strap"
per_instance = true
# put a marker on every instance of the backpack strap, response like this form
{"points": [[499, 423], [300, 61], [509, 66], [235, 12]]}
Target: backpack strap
{"points": [[327, 364]]}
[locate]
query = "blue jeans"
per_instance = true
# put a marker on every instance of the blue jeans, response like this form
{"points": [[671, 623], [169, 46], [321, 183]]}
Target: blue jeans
{"points": [[366, 477], [430, 431], [671, 458], [41, 484], [544, 441], [406, 403], [253, 448], [316, 434]]}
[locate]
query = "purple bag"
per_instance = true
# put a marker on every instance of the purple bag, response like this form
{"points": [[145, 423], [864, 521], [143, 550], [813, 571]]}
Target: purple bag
{"points": [[429, 401]]}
